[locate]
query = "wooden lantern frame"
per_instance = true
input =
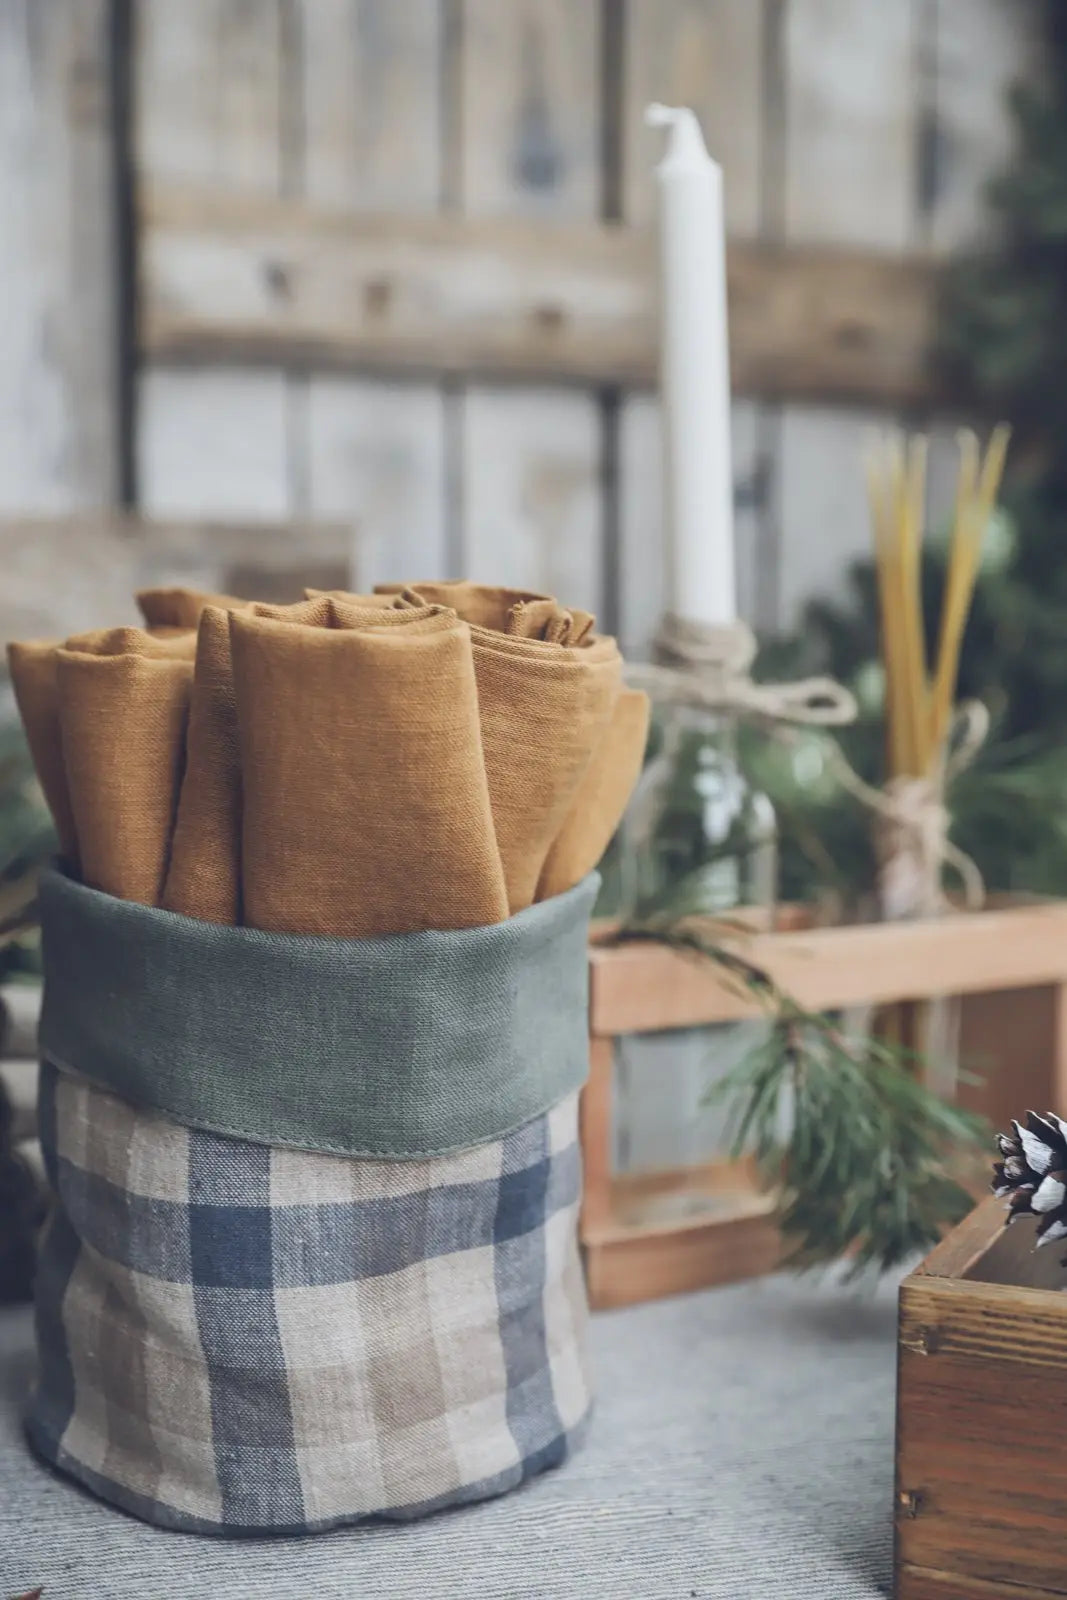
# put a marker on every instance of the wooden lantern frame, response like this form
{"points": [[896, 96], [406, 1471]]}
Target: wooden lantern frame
{"points": [[630, 1253]]}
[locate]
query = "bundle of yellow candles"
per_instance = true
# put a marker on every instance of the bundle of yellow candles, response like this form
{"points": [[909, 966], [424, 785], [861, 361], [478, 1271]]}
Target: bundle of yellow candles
{"points": [[919, 704]]}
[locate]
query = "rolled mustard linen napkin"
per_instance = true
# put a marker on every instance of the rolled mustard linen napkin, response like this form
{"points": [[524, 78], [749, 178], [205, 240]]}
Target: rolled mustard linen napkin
{"points": [[204, 873], [543, 709], [181, 608], [34, 677], [536, 763], [123, 702], [204, 877], [601, 798], [519, 612], [548, 620], [546, 693], [366, 809], [178, 644], [483, 604]]}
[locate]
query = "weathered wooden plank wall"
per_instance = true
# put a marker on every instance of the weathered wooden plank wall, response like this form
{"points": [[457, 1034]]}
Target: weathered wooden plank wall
{"points": [[210, 106], [58, 405], [839, 123], [370, 83], [527, 143]]}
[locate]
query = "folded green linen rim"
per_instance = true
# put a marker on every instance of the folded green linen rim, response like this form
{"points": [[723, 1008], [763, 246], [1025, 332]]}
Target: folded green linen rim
{"points": [[401, 1048]]}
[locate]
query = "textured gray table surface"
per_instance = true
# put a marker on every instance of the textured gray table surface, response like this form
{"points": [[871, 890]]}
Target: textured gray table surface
{"points": [[742, 1448]]}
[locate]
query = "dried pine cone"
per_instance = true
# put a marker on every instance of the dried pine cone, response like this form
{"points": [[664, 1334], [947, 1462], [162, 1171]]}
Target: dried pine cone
{"points": [[1033, 1174]]}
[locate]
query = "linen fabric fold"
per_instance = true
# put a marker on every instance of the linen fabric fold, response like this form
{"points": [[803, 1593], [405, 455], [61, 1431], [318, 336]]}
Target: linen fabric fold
{"points": [[366, 809], [34, 667], [84, 725], [168, 609], [204, 873], [543, 710], [433, 755], [601, 797], [547, 688], [123, 705], [204, 876], [482, 604], [178, 644]]}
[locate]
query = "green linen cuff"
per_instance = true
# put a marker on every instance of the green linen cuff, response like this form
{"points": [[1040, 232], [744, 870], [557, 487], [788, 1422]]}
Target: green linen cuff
{"points": [[401, 1047]]}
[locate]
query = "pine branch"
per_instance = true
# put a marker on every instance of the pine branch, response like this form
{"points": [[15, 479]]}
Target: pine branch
{"points": [[861, 1155]]}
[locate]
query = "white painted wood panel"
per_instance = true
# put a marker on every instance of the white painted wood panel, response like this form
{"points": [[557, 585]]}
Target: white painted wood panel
{"points": [[372, 103], [372, 141], [706, 54], [356, 104], [826, 524], [852, 99], [377, 459], [58, 421], [371, 85], [642, 563], [941, 471], [529, 126], [214, 443], [530, 509], [851, 92], [980, 49], [210, 91], [211, 107], [66, 573], [531, 491]]}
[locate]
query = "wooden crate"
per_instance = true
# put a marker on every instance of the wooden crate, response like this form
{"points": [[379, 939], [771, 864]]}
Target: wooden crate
{"points": [[981, 1480], [661, 1233]]}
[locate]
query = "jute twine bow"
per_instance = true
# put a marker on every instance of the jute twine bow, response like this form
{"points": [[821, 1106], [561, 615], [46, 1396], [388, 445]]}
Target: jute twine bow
{"points": [[705, 666], [912, 823], [709, 667]]}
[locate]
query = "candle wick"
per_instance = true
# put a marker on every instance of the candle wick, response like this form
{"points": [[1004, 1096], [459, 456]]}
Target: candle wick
{"points": [[685, 139]]}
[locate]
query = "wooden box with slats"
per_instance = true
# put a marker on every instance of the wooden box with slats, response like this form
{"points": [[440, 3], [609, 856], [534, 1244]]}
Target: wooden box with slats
{"points": [[652, 1233], [981, 1479]]}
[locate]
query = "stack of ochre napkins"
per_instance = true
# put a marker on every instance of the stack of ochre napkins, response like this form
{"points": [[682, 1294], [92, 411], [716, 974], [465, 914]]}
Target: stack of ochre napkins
{"points": [[435, 755]]}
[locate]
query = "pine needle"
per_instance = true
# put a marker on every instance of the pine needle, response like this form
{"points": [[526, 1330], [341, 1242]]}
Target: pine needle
{"points": [[861, 1155]]}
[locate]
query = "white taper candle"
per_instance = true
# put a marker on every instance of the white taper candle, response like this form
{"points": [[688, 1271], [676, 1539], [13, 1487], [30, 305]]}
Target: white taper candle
{"points": [[695, 375]]}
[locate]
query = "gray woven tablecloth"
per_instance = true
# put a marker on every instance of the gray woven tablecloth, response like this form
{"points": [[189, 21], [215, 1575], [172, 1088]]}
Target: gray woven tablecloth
{"points": [[742, 1450]]}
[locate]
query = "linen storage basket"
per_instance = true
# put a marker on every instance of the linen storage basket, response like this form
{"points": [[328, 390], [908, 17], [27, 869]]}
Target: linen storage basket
{"points": [[313, 1251]]}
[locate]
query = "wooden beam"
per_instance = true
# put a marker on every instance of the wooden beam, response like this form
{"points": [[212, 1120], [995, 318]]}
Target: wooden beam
{"points": [[639, 988], [630, 1265], [252, 279]]}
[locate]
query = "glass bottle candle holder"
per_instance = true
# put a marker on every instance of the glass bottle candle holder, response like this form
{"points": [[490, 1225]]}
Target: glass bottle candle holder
{"points": [[698, 839]]}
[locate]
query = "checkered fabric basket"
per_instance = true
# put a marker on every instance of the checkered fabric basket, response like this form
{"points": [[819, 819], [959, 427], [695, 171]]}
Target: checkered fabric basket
{"points": [[242, 1335]]}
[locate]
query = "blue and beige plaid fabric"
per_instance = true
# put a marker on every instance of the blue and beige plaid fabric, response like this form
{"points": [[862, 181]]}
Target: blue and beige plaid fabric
{"points": [[236, 1338]]}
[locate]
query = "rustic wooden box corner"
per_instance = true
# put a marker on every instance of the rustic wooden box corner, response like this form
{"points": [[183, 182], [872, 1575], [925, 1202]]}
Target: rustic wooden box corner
{"points": [[981, 1459]]}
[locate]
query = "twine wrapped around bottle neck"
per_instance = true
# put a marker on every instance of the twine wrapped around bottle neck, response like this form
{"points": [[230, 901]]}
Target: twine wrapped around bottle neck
{"points": [[710, 667], [696, 664], [911, 823]]}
